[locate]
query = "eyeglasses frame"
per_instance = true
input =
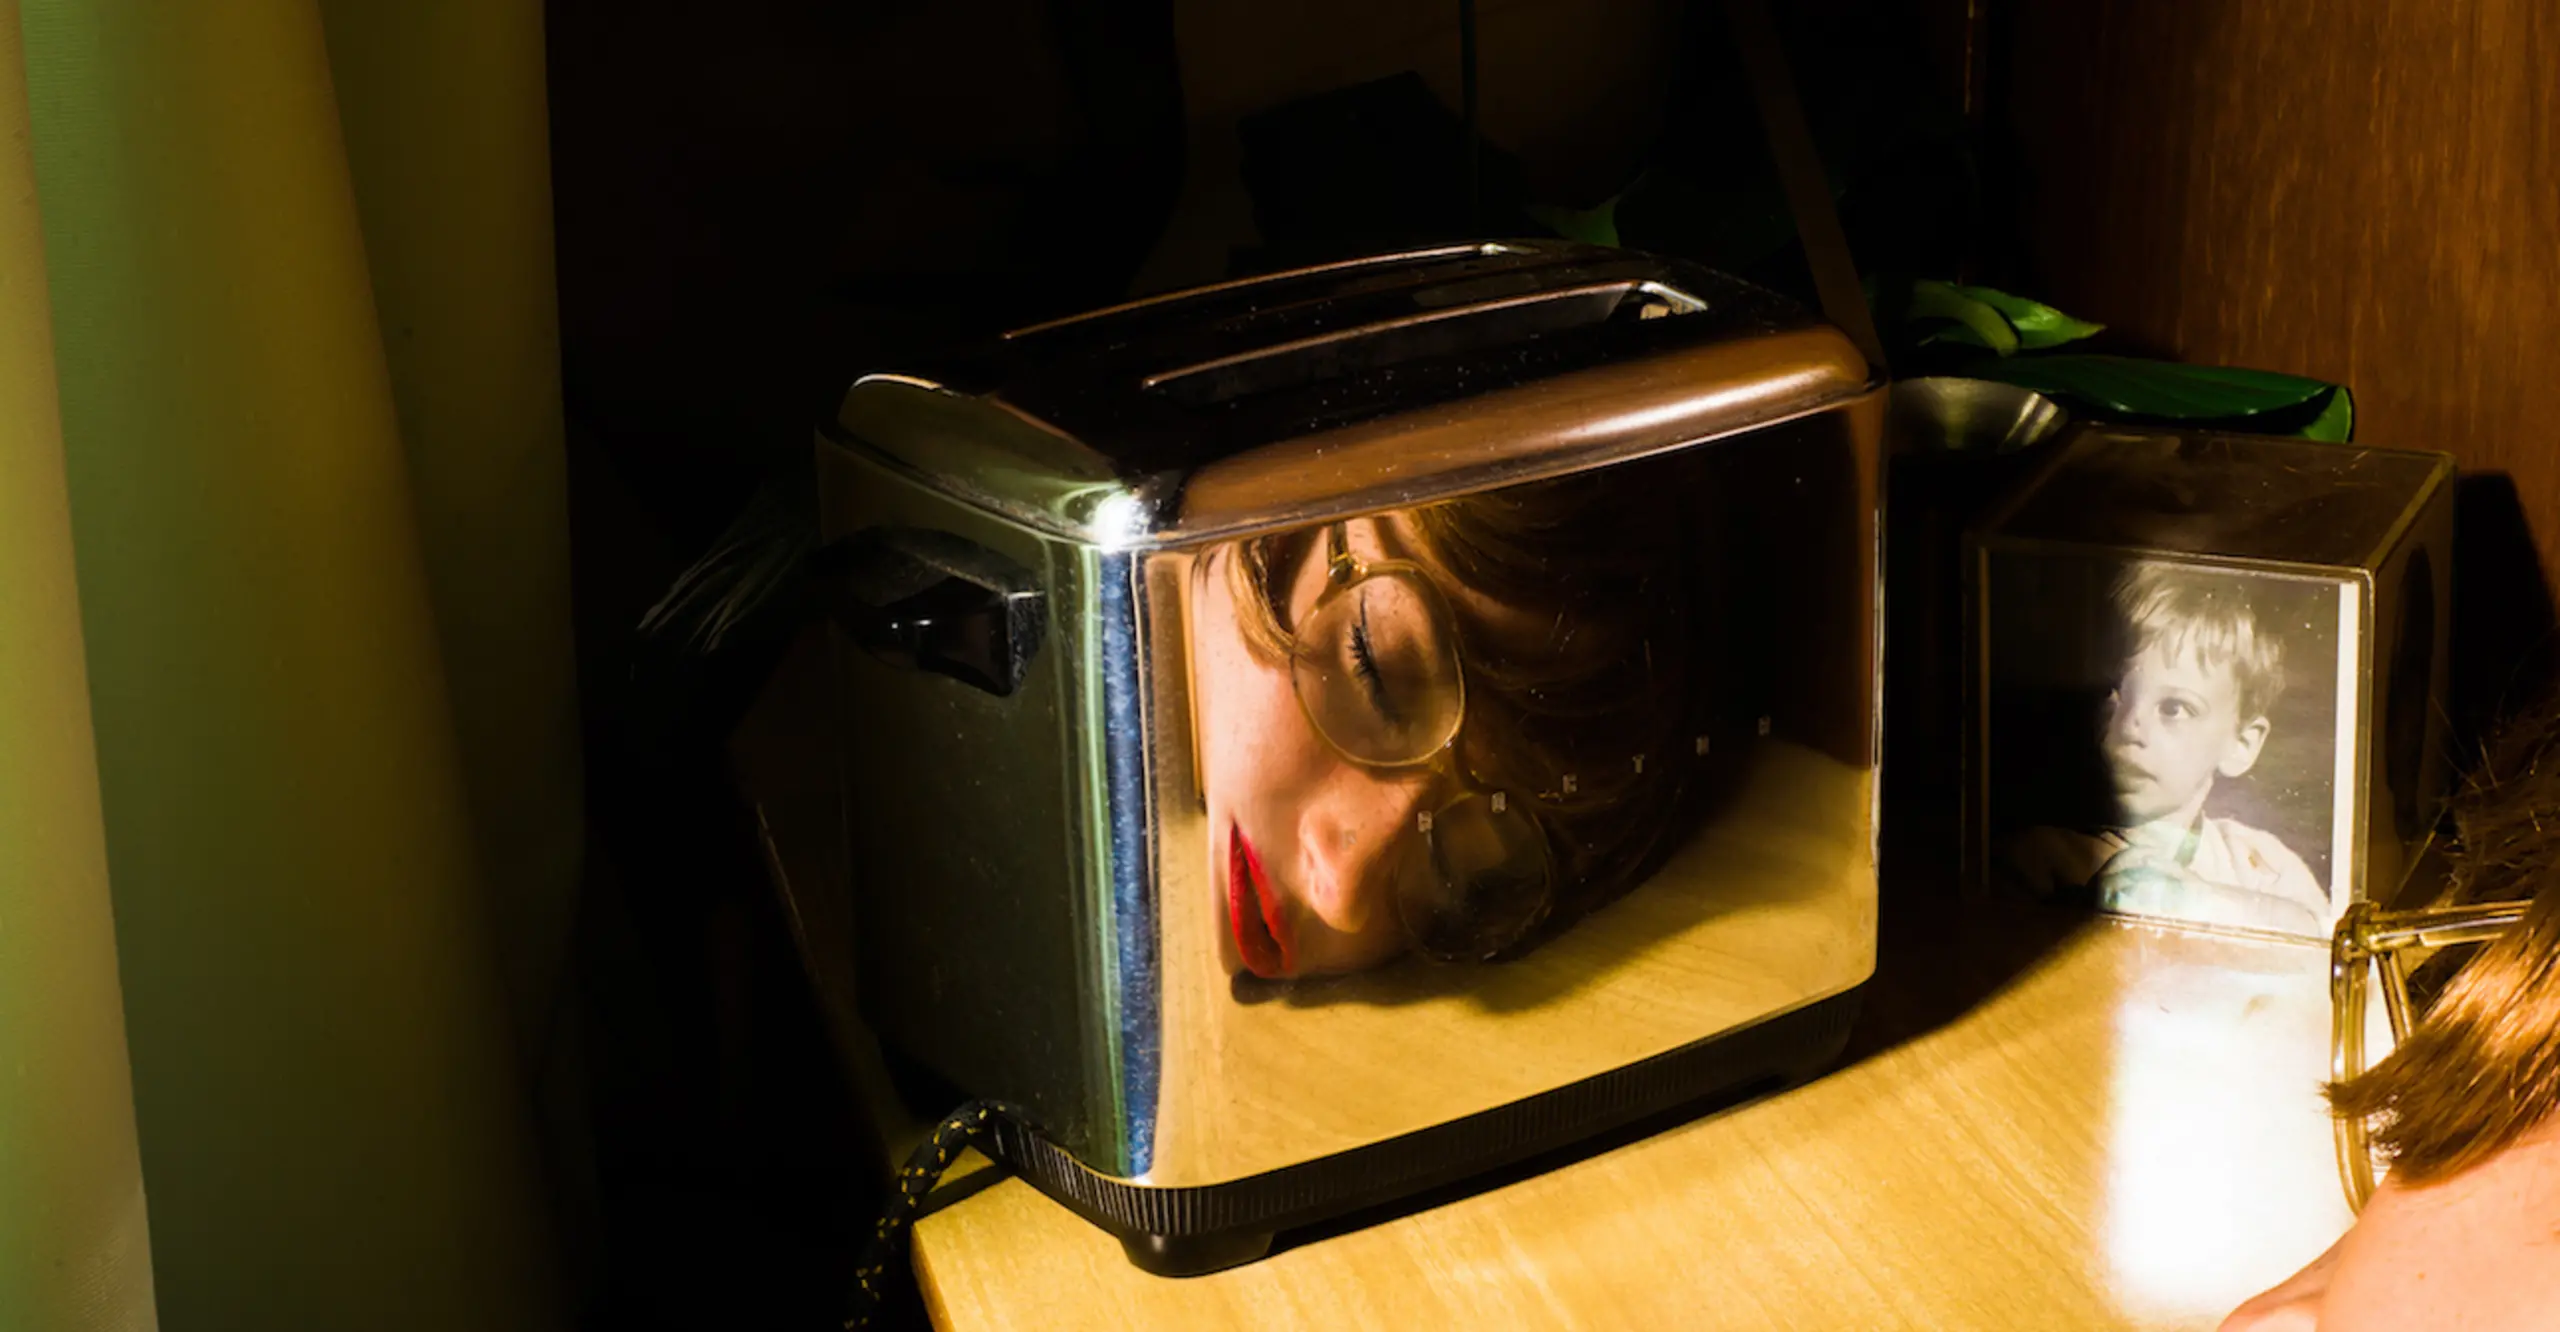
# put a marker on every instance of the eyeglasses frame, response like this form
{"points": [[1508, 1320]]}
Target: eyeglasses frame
{"points": [[1344, 570], [2369, 938]]}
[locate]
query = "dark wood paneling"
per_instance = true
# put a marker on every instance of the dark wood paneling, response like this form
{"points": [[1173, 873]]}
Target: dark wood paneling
{"points": [[1574, 89], [2365, 192]]}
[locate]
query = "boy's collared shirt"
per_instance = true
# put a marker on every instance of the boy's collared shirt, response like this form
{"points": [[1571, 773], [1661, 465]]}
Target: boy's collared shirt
{"points": [[2233, 853], [2213, 872]]}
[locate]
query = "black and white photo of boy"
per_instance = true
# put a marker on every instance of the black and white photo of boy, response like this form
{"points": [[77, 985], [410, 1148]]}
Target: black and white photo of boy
{"points": [[2189, 673]]}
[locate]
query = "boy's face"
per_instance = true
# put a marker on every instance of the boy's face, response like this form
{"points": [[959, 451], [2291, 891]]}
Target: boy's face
{"points": [[2172, 723]]}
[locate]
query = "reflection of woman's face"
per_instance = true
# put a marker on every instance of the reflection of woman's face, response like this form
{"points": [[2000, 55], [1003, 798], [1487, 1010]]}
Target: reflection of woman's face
{"points": [[1304, 840]]}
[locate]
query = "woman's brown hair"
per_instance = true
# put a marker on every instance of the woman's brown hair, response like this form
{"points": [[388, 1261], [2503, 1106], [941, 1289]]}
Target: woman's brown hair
{"points": [[2483, 1069], [1608, 565]]}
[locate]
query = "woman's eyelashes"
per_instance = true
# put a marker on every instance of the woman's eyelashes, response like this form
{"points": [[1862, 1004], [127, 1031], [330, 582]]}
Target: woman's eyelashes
{"points": [[1364, 663]]}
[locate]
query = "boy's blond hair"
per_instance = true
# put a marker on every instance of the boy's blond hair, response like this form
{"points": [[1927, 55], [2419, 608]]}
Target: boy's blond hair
{"points": [[2186, 610]]}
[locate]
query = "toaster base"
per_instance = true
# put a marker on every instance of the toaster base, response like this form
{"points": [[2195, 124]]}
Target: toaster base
{"points": [[1199, 1229]]}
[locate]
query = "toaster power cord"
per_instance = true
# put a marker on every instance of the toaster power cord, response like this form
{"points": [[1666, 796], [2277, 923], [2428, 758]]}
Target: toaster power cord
{"points": [[969, 1126]]}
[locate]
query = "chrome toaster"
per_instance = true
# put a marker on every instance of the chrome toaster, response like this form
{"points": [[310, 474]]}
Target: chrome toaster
{"points": [[1319, 737]]}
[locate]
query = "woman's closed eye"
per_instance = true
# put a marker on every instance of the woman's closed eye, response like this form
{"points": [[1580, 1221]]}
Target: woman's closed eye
{"points": [[1364, 664]]}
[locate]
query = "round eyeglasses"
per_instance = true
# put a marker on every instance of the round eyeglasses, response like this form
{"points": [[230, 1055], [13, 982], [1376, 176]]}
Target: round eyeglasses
{"points": [[1378, 672], [2375, 949]]}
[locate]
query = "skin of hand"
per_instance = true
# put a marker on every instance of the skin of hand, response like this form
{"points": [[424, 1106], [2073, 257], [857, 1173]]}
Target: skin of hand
{"points": [[2479, 1252], [2141, 878], [2043, 861]]}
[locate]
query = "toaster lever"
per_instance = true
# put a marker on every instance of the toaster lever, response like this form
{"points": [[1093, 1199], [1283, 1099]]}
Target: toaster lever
{"points": [[933, 601]]}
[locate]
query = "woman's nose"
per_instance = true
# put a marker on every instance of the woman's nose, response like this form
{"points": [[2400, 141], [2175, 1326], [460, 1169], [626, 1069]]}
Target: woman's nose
{"points": [[1353, 840]]}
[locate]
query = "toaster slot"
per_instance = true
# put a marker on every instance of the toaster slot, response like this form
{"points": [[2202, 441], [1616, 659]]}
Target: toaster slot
{"points": [[1455, 329], [1269, 288]]}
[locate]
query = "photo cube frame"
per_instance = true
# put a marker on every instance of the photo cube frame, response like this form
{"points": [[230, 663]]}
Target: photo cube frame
{"points": [[2206, 677]]}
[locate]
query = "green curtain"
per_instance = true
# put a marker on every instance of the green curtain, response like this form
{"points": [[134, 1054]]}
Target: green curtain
{"points": [[307, 816], [74, 1254], [447, 128], [448, 143]]}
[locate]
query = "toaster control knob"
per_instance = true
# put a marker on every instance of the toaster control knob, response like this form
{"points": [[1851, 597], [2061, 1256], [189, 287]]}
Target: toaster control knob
{"points": [[933, 601]]}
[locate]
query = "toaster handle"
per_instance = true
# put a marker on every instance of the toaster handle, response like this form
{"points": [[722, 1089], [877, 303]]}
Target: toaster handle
{"points": [[932, 601]]}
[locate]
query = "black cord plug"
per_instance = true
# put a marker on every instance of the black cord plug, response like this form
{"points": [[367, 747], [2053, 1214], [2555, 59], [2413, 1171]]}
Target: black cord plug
{"points": [[972, 1125]]}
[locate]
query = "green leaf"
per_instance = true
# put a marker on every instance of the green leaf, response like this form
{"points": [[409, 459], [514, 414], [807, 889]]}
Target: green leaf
{"points": [[2160, 389], [1987, 317], [2039, 326], [1596, 225], [1931, 299], [2336, 422]]}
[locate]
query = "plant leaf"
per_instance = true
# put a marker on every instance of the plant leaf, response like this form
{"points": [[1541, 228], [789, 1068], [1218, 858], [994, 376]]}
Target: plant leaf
{"points": [[2160, 389], [1597, 225], [2039, 325], [1932, 299], [2336, 422]]}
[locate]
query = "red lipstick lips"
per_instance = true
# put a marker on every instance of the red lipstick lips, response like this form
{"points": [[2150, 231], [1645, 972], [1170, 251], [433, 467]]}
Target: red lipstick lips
{"points": [[1253, 912]]}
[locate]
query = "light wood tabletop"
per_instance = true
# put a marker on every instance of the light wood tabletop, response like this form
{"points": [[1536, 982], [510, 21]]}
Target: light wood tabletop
{"points": [[2043, 1122]]}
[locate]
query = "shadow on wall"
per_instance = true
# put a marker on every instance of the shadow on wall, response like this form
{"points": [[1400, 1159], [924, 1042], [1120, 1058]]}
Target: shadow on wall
{"points": [[2504, 654]]}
